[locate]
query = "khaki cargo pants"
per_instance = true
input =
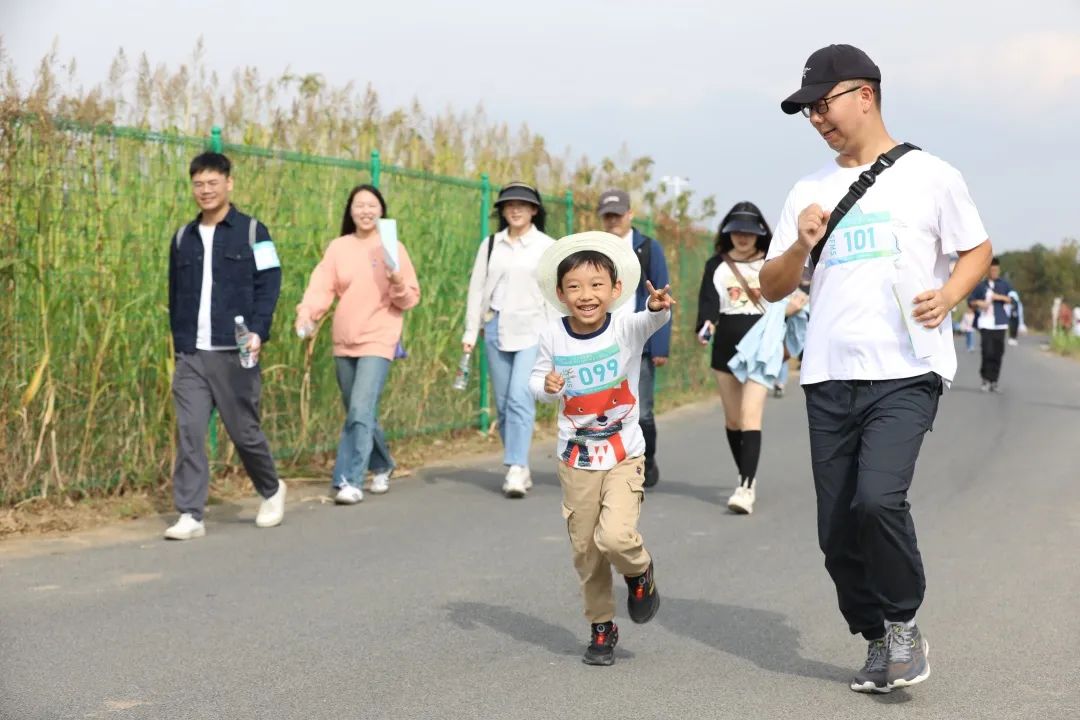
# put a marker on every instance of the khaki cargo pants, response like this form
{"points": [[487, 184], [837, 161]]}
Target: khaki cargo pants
{"points": [[601, 508]]}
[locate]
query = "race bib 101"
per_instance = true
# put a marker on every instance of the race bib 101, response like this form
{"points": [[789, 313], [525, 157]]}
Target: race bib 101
{"points": [[860, 236]]}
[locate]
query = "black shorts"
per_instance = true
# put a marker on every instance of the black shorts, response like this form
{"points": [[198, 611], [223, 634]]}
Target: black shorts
{"points": [[729, 331]]}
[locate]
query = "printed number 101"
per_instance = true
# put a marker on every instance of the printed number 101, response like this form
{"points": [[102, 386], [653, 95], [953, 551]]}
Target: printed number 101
{"points": [[858, 240]]}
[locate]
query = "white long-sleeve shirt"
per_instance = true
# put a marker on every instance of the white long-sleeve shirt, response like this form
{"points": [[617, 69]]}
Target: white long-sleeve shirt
{"points": [[598, 416], [509, 278]]}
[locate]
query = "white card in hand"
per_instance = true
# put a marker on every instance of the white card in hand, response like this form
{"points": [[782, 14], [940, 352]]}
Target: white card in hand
{"points": [[388, 235], [924, 341]]}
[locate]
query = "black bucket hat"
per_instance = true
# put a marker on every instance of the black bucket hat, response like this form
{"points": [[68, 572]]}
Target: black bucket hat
{"points": [[826, 67], [518, 191], [744, 221]]}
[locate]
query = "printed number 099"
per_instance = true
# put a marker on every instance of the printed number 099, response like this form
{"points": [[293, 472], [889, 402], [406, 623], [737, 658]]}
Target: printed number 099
{"points": [[598, 372]]}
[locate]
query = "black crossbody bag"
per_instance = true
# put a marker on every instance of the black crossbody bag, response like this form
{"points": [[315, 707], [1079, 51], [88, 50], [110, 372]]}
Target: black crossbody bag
{"points": [[858, 188]]}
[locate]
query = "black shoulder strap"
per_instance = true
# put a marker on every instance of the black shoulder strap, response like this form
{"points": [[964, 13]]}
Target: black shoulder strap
{"points": [[491, 246], [858, 188]]}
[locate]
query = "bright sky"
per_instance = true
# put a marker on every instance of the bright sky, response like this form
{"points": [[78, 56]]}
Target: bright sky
{"points": [[991, 87]]}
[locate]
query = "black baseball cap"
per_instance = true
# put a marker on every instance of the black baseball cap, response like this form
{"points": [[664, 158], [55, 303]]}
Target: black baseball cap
{"points": [[518, 191], [613, 202], [826, 67]]}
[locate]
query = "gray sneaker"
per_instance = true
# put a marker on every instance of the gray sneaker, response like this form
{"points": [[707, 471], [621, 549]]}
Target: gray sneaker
{"points": [[871, 679], [907, 655]]}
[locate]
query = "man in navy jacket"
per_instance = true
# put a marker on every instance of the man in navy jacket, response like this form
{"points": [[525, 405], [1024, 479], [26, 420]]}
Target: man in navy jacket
{"points": [[614, 210], [991, 302], [222, 265]]}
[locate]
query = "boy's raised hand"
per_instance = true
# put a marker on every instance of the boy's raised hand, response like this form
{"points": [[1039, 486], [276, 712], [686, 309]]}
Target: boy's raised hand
{"points": [[659, 299], [553, 382]]}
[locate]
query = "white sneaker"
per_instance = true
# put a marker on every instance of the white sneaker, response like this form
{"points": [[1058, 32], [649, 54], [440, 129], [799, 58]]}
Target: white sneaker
{"points": [[186, 527], [349, 495], [742, 500], [380, 483], [515, 484], [1013, 343], [272, 509], [527, 475]]}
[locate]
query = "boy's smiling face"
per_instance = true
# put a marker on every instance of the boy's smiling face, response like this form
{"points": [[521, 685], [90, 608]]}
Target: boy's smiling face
{"points": [[587, 292]]}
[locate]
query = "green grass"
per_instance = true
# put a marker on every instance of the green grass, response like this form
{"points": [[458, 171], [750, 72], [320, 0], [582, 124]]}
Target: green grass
{"points": [[1067, 345]]}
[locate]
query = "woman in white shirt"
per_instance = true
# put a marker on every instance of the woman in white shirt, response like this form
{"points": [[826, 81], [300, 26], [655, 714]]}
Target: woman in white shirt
{"points": [[729, 304], [505, 301]]}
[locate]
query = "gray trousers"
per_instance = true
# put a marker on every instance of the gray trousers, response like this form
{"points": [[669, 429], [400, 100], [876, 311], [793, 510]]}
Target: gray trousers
{"points": [[646, 397], [204, 380], [646, 390]]}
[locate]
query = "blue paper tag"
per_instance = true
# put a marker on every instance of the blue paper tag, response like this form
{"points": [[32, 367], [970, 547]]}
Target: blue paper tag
{"points": [[266, 257]]}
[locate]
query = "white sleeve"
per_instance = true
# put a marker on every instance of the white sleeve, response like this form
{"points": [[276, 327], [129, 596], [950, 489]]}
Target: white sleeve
{"points": [[959, 225], [474, 310], [787, 228], [542, 367], [637, 328]]}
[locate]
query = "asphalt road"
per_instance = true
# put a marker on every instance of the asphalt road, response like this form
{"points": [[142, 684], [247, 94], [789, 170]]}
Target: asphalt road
{"points": [[444, 600]]}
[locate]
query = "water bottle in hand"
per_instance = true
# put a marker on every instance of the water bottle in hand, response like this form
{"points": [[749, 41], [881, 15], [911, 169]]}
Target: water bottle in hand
{"points": [[243, 335], [304, 331], [461, 380]]}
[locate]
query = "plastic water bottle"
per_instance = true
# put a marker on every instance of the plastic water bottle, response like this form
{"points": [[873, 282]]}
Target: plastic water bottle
{"points": [[247, 360], [305, 330], [461, 380]]}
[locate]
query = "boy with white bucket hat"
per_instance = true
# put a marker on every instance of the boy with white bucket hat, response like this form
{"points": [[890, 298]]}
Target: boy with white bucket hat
{"points": [[590, 361]]}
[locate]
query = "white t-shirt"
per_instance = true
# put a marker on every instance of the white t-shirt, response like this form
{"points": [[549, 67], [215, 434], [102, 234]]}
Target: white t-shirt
{"points": [[987, 319], [733, 299], [202, 333], [598, 416], [917, 214]]}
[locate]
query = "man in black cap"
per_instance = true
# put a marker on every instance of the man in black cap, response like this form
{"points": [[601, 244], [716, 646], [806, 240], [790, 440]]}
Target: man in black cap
{"points": [[878, 348], [614, 211]]}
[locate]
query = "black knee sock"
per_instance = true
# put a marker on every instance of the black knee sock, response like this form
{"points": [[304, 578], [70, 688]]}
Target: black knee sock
{"points": [[751, 452], [734, 439]]}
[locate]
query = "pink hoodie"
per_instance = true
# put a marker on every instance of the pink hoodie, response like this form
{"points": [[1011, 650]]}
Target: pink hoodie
{"points": [[368, 317]]}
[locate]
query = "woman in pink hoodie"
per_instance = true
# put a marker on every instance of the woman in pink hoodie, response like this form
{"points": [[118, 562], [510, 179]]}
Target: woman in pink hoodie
{"points": [[367, 326]]}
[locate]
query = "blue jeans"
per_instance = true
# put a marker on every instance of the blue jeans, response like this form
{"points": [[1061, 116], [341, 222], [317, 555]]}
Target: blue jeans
{"points": [[969, 336], [515, 404], [362, 444], [785, 370]]}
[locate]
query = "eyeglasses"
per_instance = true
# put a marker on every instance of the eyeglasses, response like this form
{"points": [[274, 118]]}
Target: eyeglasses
{"points": [[822, 106]]}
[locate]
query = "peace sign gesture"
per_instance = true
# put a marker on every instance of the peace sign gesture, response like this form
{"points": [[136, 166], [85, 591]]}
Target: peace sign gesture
{"points": [[659, 299]]}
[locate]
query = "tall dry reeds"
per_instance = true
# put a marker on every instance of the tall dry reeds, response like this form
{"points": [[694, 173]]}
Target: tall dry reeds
{"points": [[89, 204]]}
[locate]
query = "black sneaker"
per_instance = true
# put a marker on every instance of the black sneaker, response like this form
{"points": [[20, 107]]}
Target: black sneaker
{"points": [[644, 599], [872, 678], [907, 655], [601, 650], [652, 473]]}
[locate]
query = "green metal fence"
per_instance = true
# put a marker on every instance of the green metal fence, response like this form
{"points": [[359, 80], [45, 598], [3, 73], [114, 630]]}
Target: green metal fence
{"points": [[86, 356]]}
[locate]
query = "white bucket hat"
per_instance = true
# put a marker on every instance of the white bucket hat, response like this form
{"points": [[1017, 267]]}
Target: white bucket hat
{"points": [[627, 266]]}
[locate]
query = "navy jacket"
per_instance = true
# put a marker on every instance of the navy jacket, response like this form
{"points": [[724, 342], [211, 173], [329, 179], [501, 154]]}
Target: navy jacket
{"points": [[659, 345], [1001, 310], [239, 287]]}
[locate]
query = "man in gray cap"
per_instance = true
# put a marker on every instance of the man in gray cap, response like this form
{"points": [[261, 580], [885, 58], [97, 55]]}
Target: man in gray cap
{"points": [[877, 224], [614, 211]]}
